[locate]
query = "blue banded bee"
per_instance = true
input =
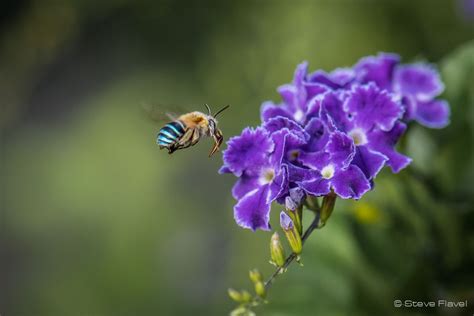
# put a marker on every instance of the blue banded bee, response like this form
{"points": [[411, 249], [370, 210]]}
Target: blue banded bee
{"points": [[187, 129]]}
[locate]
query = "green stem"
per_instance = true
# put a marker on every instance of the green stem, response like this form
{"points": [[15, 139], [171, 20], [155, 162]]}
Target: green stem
{"points": [[323, 212], [314, 224]]}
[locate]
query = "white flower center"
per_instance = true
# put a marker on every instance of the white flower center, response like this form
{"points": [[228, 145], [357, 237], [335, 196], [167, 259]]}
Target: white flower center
{"points": [[267, 176], [299, 115], [358, 136], [328, 172]]}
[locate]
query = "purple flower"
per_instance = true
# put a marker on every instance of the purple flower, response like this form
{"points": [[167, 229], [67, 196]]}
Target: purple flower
{"points": [[419, 81], [419, 85], [368, 115], [333, 131], [296, 97], [334, 170], [256, 157], [377, 69]]}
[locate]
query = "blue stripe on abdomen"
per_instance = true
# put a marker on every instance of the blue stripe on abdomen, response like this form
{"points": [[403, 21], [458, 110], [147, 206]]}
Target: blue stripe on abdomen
{"points": [[174, 129], [177, 126], [170, 133], [163, 140], [163, 144]]}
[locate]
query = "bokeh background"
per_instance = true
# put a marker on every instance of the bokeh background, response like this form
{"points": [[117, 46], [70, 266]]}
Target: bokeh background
{"points": [[96, 220]]}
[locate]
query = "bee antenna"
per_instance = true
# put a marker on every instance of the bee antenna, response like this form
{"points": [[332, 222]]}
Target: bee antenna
{"points": [[222, 110], [208, 109]]}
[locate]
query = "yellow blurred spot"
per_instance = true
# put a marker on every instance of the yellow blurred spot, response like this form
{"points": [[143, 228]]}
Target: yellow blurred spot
{"points": [[366, 213]]}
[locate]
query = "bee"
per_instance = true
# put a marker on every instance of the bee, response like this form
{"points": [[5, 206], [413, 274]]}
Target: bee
{"points": [[187, 130]]}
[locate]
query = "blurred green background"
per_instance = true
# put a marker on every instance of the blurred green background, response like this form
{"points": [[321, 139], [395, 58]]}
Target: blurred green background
{"points": [[96, 220]]}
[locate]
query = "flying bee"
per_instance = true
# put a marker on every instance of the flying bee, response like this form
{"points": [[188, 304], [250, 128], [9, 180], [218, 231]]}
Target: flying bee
{"points": [[187, 130]]}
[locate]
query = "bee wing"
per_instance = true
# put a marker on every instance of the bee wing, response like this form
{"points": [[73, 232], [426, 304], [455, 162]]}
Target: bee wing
{"points": [[161, 113]]}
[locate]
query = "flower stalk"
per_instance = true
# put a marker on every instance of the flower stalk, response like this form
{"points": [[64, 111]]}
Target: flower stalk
{"points": [[261, 288]]}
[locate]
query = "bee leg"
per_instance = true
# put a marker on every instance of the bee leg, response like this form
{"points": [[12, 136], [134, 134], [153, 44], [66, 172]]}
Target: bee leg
{"points": [[185, 141], [217, 143], [195, 138]]}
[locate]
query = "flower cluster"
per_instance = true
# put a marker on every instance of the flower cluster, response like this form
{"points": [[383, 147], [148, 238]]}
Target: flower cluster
{"points": [[331, 132]]}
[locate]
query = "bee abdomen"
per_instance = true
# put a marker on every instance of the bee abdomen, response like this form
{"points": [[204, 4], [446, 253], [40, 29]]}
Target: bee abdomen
{"points": [[170, 133]]}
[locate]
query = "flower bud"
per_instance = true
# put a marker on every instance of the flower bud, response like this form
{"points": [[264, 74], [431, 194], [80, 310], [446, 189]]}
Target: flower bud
{"points": [[242, 311], [295, 212], [291, 233], [240, 297], [312, 203], [327, 207], [260, 289], [290, 204], [246, 296], [276, 251], [235, 295], [297, 195], [255, 276]]}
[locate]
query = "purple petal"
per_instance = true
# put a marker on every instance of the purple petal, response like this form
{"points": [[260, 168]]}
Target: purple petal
{"points": [[295, 140], [419, 80], [377, 69], [279, 185], [248, 152], [369, 162], [285, 221], [337, 79], [270, 110], [279, 139], [314, 106], [244, 185], [350, 183], [297, 195], [300, 73], [317, 186], [315, 160], [298, 174], [224, 170], [314, 89], [332, 112], [294, 146], [341, 149], [278, 123], [318, 135], [294, 95], [289, 95], [384, 142], [433, 114], [371, 107], [343, 76], [253, 211], [409, 104]]}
